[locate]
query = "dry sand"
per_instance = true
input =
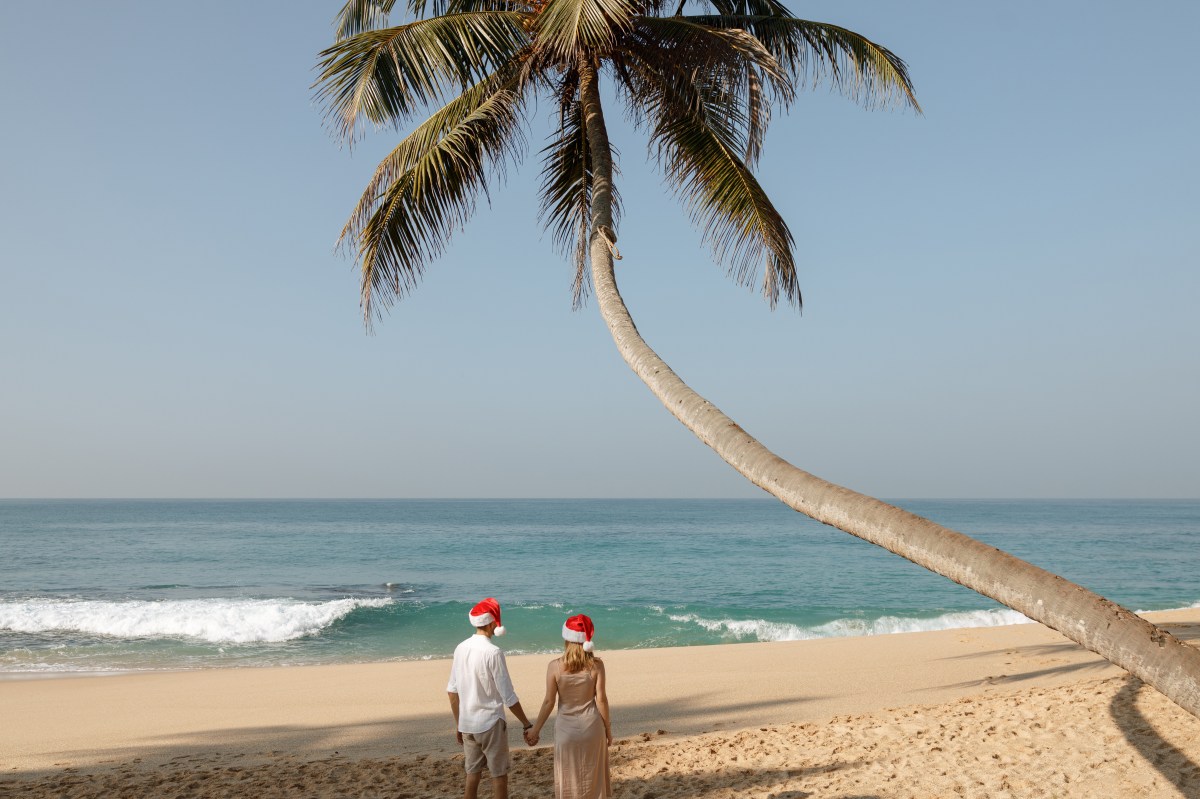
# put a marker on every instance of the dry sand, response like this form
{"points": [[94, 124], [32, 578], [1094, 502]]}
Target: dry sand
{"points": [[1001, 712]]}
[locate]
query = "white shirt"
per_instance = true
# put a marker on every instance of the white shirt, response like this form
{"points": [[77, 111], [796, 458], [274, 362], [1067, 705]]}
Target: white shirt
{"points": [[479, 675]]}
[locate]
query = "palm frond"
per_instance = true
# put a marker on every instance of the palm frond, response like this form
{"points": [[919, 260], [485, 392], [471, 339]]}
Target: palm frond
{"points": [[659, 8], [662, 8], [386, 75], [426, 8], [361, 15], [681, 67], [814, 51], [753, 8], [566, 190], [737, 218], [696, 45], [698, 154], [426, 188], [565, 27], [758, 113]]}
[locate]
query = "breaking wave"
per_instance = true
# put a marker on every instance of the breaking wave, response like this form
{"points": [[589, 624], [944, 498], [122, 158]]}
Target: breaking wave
{"points": [[764, 630], [219, 621]]}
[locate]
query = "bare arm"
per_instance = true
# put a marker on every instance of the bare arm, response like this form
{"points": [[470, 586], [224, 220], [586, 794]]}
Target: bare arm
{"points": [[520, 714], [602, 699], [531, 737], [454, 709], [499, 668]]}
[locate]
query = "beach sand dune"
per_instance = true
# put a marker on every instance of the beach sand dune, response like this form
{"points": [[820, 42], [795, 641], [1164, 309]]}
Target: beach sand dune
{"points": [[1003, 712]]}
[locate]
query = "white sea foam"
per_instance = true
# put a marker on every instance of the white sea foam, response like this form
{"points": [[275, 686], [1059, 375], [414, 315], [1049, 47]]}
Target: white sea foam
{"points": [[220, 621], [764, 630], [1169, 610]]}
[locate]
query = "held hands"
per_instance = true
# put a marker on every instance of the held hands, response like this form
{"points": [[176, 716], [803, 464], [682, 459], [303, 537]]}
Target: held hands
{"points": [[531, 736]]}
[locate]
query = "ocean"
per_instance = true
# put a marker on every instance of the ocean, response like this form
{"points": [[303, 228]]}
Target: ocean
{"points": [[118, 585]]}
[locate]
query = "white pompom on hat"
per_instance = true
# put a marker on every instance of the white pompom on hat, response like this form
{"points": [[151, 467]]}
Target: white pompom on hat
{"points": [[486, 612], [579, 630]]}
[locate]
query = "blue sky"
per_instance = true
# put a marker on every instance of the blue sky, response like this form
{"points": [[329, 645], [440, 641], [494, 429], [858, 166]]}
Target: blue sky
{"points": [[999, 294]]}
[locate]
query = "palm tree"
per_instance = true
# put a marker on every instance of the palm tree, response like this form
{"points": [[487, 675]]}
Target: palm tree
{"points": [[703, 87]]}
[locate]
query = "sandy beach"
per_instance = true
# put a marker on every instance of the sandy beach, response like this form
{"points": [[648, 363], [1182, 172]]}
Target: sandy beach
{"points": [[1007, 711]]}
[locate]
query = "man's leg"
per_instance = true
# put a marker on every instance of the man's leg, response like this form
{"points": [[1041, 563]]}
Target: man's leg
{"points": [[473, 785], [500, 787], [473, 763]]}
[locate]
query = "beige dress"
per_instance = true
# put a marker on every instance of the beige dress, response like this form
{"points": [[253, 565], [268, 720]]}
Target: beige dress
{"points": [[580, 746]]}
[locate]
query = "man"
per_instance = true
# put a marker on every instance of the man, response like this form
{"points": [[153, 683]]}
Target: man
{"points": [[479, 690]]}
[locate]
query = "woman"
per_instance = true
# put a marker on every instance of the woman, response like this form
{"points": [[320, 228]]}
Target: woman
{"points": [[582, 732]]}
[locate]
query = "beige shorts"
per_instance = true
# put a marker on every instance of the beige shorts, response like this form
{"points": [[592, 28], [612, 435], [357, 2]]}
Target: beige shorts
{"points": [[488, 748]]}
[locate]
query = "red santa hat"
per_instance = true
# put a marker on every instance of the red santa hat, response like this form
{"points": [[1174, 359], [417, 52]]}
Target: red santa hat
{"points": [[579, 629], [486, 612]]}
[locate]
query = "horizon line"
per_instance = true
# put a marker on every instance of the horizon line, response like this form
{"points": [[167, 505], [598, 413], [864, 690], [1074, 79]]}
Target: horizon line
{"points": [[579, 499]]}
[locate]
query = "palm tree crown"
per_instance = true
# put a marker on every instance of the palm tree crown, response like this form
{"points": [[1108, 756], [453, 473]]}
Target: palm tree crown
{"points": [[703, 87]]}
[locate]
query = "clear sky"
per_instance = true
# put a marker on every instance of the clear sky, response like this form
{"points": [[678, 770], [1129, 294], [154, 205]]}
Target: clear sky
{"points": [[1000, 295]]}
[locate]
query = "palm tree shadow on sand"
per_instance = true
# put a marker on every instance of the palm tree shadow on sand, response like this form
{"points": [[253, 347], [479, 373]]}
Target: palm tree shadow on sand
{"points": [[1174, 765]]}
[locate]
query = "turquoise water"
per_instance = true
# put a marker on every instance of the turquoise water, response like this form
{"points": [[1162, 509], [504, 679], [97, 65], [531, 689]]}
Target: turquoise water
{"points": [[115, 584]]}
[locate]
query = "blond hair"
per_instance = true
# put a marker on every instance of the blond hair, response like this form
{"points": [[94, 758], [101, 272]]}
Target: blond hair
{"points": [[575, 658]]}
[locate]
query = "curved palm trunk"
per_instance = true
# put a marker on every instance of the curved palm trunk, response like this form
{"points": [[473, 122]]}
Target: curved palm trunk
{"points": [[1104, 627]]}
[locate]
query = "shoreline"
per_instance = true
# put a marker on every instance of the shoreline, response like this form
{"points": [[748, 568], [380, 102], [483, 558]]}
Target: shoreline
{"points": [[909, 625], [791, 698]]}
